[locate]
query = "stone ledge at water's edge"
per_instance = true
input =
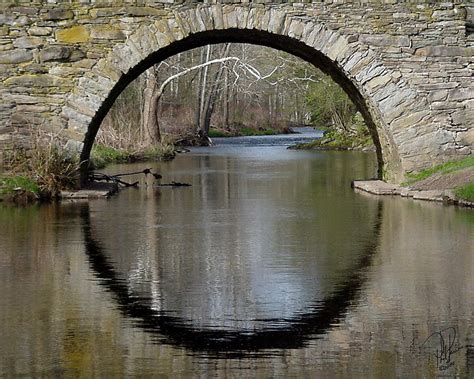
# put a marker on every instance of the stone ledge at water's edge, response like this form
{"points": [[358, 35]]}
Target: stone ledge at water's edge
{"points": [[92, 191], [378, 187]]}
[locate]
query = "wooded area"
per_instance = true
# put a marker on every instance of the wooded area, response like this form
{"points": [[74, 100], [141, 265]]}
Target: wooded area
{"points": [[226, 89]]}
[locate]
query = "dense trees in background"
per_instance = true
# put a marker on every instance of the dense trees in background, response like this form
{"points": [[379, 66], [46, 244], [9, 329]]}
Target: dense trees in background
{"points": [[330, 105], [225, 89]]}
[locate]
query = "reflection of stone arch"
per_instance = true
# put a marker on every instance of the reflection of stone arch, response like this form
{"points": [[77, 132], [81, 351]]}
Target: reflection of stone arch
{"points": [[374, 87], [294, 332]]}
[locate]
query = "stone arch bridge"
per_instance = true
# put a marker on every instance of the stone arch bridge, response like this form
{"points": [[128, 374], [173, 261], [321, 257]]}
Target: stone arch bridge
{"points": [[408, 66]]}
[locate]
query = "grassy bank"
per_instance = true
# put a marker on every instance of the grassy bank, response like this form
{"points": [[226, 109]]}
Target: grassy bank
{"points": [[456, 175], [335, 140], [465, 192], [246, 131], [38, 169], [443, 168], [18, 189], [102, 155], [45, 168]]}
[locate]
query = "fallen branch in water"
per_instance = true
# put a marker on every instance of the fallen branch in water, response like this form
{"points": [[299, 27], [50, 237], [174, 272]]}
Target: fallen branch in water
{"points": [[145, 171], [100, 177], [173, 184]]}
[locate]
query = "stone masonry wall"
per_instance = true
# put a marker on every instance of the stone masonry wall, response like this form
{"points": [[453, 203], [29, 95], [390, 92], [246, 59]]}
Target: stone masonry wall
{"points": [[412, 62]]}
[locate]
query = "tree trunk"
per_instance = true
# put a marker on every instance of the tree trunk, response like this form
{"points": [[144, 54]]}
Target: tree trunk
{"points": [[156, 94], [203, 100], [197, 114], [150, 127], [212, 94], [226, 100]]}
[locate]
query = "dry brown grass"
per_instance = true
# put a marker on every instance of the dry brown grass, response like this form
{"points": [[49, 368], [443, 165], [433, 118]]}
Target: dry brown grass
{"points": [[46, 161], [119, 137]]}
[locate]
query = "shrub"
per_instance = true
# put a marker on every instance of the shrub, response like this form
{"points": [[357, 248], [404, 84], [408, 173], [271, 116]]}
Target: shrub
{"points": [[165, 150], [52, 166], [43, 166]]}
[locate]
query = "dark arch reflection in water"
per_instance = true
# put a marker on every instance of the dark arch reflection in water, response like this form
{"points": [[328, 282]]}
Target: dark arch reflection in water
{"points": [[292, 332], [164, 255], [298, 315]]}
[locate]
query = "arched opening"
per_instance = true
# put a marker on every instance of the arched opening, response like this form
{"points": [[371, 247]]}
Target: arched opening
{"points": [[279, 42]]}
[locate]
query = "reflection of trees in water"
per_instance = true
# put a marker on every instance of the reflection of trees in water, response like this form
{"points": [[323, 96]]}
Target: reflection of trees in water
{"points": [[253, 238], [287, 333]]}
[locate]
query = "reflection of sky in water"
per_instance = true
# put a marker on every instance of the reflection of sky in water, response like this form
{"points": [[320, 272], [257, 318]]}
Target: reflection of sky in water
{"points": [[266, 250], [281, 293], [265, 281], [60, 317]]}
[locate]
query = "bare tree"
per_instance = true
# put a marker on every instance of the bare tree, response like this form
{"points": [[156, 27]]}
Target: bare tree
{"points": [[210, 98], [229, 86], [208, 92]]}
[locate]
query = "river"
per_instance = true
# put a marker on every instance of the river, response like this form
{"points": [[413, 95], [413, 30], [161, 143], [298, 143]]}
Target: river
{"points": [[268, 265]]}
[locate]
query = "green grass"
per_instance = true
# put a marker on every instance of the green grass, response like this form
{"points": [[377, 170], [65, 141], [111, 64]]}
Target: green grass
{"points": [[246, 131], [465, 192], [216, 133], [335, 140], [164, 151], [8, 185], [443, 168], [306, 145], [103, 155], [242, 131]]}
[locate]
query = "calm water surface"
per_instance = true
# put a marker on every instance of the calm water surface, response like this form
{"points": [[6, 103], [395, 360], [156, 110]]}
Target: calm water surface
{"points": [[269, 265]]}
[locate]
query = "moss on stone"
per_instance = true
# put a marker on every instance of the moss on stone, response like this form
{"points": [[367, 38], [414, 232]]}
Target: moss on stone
{"points": [[74, 34]]}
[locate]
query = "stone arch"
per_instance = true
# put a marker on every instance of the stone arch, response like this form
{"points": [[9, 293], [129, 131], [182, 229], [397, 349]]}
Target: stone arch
{"points": [[377, 90]]}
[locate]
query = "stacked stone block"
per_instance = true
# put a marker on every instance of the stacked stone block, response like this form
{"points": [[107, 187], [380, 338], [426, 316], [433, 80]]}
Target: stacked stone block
{"points": [[408, 65]]}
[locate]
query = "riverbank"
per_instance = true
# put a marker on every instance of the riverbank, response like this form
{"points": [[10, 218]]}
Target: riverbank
{"points": [[102, 156], [192, 139], [359, 140], [249, 131], [449, 183], [58, 175], [18, 189]]}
